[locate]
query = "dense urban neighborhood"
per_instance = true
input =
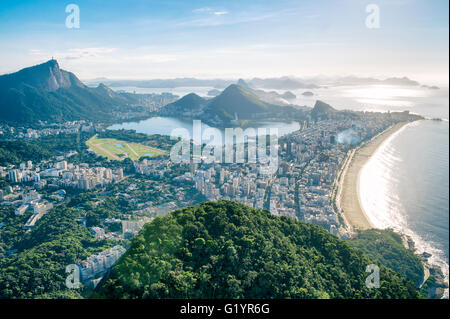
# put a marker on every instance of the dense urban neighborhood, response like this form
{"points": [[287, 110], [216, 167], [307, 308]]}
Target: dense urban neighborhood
{"points": [[303, 187]]}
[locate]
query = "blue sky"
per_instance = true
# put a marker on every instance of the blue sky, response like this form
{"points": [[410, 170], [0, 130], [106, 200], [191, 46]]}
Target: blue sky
{"points": [[167, 38]]}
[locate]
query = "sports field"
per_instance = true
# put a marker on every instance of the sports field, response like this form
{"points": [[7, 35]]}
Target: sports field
{"points": [[119, 150]]}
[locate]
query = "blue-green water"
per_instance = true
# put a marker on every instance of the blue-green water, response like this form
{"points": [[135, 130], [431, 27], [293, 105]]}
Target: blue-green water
{"points": [[405, 186]]}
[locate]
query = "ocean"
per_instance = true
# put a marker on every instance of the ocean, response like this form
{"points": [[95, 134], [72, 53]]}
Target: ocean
{"points": [[405, 186]]}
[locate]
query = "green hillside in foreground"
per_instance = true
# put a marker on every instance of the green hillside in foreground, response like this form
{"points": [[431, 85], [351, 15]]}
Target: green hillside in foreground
{"points": [[227, 250], [386, 246]]}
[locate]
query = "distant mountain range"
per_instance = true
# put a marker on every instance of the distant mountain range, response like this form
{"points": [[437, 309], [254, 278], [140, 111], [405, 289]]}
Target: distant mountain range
{"points": [[355, 80], [281, 83], [47, 93]]}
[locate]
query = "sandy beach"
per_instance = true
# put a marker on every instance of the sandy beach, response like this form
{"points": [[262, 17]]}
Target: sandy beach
{"points": [[348, 198]]}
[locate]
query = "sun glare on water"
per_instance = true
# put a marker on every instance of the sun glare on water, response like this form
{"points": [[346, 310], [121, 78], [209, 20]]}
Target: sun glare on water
{"points": [[384, 95]]}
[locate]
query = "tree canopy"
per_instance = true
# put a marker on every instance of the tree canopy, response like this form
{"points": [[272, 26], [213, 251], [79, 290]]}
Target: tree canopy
{"points": [[227, 250]]}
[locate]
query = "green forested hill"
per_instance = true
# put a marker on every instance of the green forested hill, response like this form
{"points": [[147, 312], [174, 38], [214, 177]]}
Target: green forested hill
{"points": [[236, 99], [227, 250], [188, 103], [387, 247], [45, 92]]}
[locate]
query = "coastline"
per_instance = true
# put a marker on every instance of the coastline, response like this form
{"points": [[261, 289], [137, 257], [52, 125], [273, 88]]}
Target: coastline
{"points": [[348, 199]]}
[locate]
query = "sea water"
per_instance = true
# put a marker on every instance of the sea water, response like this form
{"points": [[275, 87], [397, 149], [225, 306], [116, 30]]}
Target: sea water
{"points": [[405, 186]]}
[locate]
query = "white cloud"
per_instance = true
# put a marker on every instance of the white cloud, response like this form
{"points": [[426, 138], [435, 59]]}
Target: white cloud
{"points": [[209, 10], [35, 52], [312, 16], [79, 53], [74, 53], [219, 13], [152, 58], [202, 10], [223, 17]]}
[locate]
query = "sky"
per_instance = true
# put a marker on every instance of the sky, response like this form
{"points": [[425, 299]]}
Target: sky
{"points": [[138, 39]]}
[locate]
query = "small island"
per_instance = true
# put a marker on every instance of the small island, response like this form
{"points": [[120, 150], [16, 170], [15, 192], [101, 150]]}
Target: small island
{"points": [[214, 92]]}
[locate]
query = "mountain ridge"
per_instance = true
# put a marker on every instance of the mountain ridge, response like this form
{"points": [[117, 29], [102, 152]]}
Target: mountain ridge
{"points": [[47, 76], [234, 103], [322, 110], [236, 100], [46, 92], [189, 105]]}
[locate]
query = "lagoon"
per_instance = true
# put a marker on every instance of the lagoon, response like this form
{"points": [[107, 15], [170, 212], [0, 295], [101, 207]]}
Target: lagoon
{"points": [[166, 125]]}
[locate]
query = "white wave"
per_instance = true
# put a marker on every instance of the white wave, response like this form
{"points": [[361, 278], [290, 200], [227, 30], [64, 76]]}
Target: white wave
{"points": [[383, 206]]}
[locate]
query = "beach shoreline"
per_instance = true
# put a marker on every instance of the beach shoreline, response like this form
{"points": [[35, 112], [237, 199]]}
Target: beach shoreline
{"points": [[348, 200], [348, 203]]}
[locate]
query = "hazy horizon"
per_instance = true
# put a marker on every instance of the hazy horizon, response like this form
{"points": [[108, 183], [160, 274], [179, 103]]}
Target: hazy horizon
{"points": [[236, 39]]}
